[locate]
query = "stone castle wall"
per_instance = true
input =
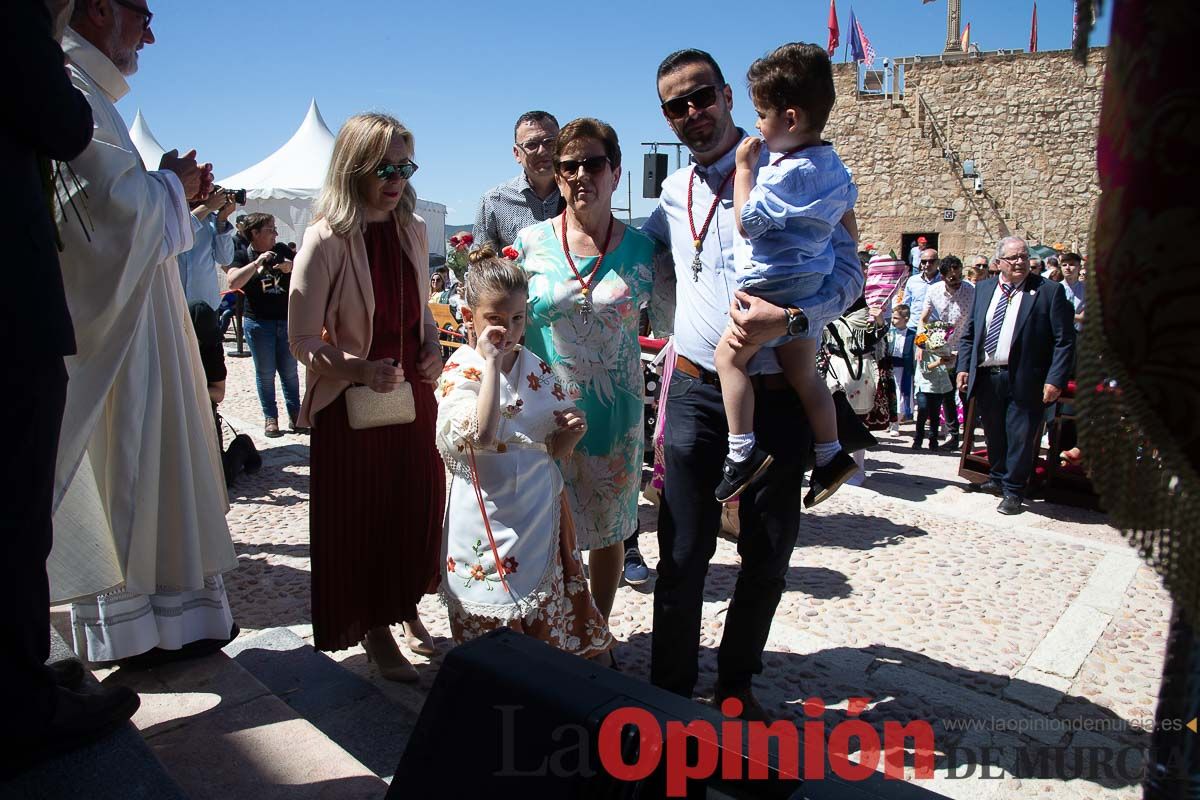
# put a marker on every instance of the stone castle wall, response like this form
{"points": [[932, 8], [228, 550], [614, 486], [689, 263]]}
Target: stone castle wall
{"points": [[1027, 120]]}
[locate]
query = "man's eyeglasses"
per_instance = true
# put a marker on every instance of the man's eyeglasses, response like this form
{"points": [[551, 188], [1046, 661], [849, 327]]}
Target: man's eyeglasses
{"points": [[147, 15], [593, 165], [1017, 259], [677, 107], [929, 260], [533, 145], [385, 171]]}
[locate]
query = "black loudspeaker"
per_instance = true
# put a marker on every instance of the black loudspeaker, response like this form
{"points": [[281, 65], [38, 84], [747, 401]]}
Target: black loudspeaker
{"points": [[513, 717], [655, 171]]}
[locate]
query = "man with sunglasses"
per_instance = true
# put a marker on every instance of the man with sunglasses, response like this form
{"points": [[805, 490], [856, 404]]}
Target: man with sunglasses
{"points": [[695, 228], [137, 434], [530, 197], [916, 289]]}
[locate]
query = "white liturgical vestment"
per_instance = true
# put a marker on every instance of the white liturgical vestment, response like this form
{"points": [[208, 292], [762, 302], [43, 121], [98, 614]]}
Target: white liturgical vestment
{"points": [[139, 499]]}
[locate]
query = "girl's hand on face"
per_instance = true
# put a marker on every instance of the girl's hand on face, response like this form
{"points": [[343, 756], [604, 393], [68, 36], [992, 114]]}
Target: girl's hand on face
{"points": [[491, 342]]}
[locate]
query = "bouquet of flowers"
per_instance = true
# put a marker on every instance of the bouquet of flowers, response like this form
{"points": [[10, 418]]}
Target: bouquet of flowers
{"points": [[456, 255], [934, 337]]}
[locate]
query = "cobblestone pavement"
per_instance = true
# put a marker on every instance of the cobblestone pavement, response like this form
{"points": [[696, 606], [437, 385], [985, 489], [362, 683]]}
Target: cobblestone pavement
{"points": [[1036, 636]]}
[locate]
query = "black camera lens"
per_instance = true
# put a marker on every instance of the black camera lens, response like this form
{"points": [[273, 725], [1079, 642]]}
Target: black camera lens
{"points": [[238, 196]]}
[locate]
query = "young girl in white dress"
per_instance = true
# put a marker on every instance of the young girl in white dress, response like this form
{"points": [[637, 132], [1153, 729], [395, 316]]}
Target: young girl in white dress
{"points": [[503, 420]]}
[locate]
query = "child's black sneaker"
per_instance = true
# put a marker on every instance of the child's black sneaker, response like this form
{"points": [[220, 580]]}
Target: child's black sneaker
{"points": [[737, 475], [827, 479]]}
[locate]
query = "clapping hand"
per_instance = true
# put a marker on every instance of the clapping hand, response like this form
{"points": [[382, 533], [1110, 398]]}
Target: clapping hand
{"points": [[571, 428]]}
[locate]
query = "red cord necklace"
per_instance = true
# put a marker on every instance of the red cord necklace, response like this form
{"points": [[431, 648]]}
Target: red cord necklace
{"points": [[585, 306], [698, 238]]}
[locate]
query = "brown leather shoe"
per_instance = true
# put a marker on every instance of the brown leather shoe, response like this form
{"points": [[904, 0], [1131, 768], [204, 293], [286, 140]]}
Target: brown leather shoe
{"points": [[752, 710], [271, 428]]}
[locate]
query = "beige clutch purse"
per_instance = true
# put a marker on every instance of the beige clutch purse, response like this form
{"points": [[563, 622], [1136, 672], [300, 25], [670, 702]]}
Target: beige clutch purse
{"points": [[367, 408]]}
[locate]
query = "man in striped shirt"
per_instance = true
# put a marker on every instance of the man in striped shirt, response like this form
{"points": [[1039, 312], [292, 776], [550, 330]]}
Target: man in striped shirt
{"points": [[530, 197]]}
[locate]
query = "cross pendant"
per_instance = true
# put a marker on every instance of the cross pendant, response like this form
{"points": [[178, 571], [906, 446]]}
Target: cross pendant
{"points": [[696, 267]]}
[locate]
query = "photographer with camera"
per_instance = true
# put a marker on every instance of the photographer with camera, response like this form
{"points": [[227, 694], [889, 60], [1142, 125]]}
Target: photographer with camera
{"points": [[263, 273], [213, 248]]}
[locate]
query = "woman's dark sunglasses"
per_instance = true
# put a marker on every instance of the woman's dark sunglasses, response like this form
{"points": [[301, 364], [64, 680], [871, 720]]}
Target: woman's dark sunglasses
{"points": [[593, 165], [677, 107], [386, 171], [146, 13]]}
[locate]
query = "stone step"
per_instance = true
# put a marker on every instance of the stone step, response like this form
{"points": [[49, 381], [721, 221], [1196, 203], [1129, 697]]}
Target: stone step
{"points": [[370, 725], [222, 734], [121, 766]]}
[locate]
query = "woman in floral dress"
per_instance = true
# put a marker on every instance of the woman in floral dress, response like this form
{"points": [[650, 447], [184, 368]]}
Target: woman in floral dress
{"points": [[588, 277]]}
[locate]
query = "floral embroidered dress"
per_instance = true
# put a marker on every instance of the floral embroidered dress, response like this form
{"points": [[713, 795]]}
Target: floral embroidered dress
{"points": [[597, 360], [543, 592]]}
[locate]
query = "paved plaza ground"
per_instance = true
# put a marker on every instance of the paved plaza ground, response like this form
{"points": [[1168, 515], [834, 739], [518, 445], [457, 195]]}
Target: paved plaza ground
{"points": [[1037, 636]]}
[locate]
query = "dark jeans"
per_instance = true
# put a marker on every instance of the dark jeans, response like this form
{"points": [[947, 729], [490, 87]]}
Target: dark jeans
{"points": [[690, 519], [268, 340], [1011, 430], [929, 406], [35, 392]]}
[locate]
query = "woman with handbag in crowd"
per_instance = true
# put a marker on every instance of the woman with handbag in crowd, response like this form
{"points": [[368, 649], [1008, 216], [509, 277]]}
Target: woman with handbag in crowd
{"points": [[361, 325], [850, 363]]}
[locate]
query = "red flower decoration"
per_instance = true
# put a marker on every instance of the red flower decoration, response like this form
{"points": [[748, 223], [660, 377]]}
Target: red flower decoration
{"points": [[510, 565], [472, 374], [534, 382], [558, 392], [450, 365], [510, 252], [466, 238], [450, 565], [545, 368]]}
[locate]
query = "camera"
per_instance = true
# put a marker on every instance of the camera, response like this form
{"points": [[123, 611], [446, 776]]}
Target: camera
{"points": [[236, 196]]}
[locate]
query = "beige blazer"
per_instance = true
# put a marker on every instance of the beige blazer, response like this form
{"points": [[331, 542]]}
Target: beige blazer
{"points": [[332, 303]]}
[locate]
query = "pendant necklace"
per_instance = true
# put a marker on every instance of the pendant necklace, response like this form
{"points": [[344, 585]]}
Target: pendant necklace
{"points": [[698, 238], [585, 307]]}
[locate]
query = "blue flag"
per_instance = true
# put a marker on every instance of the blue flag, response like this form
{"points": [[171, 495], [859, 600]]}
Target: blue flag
{"points": [[856, 48]]}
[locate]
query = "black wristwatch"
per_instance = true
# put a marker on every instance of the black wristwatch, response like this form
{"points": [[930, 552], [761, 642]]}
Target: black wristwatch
{"points": [[797, 322]]}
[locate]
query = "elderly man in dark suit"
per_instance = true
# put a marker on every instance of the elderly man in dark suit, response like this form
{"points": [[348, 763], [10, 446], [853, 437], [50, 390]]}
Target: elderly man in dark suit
{"points": [[1015, 357]]}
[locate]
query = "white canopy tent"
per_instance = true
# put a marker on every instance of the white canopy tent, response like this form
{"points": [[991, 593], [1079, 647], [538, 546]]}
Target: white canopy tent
{"points": [[147, 146], [286, 183]]}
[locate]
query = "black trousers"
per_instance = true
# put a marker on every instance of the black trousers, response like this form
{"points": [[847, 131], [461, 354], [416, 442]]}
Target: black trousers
{"points": [[1011, 429], [695, 444], [35, 392]]}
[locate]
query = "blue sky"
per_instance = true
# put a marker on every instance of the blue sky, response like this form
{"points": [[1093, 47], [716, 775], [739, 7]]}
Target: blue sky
{"points": [[233, 79]]}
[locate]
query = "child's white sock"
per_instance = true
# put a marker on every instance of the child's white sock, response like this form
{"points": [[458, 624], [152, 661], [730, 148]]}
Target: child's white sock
{"points": [[825, 451], [741, 445]]}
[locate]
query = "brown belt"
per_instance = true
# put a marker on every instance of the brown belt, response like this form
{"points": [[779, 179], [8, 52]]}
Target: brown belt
{"points": [[690, 368]]}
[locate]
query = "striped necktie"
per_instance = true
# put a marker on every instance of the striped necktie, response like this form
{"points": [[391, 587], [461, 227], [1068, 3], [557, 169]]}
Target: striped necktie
{"points": [[997, 322]]}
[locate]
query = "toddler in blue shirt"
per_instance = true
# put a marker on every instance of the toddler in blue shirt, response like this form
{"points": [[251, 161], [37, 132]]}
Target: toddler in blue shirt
{"points": [[786, 210]]}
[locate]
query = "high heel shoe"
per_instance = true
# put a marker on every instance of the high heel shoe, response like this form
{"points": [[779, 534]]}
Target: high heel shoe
{"points": [[391, 664], [420, 643]]}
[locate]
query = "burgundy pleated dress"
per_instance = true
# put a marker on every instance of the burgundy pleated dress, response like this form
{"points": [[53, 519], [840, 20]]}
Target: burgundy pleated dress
{"points": [[377, 496]]}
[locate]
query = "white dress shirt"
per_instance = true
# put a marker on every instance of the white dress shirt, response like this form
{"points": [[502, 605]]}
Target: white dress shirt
{"points": [[1000, 358]]}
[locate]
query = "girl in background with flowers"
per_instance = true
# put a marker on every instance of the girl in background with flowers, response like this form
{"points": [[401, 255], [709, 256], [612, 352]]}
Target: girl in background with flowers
{"points": [[932, 383], [503, 420]]}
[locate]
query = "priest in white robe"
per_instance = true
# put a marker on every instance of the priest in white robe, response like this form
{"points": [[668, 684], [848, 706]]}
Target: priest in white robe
{"points": [[140, 501]]}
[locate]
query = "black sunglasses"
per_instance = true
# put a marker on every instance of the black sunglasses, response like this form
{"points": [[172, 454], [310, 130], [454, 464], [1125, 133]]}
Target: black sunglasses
{"points": [[386, 171], [929, 260], [593, 165], [147, 15], [677, 107]]}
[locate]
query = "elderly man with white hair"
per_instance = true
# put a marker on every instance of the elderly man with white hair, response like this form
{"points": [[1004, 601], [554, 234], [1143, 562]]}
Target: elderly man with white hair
{"points": [[1014, 357], [141, 539]]}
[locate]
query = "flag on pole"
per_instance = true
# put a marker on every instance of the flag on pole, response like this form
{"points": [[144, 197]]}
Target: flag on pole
{"points": [[1033, 31], [834, 31], [860, 45], [966, 37]]}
